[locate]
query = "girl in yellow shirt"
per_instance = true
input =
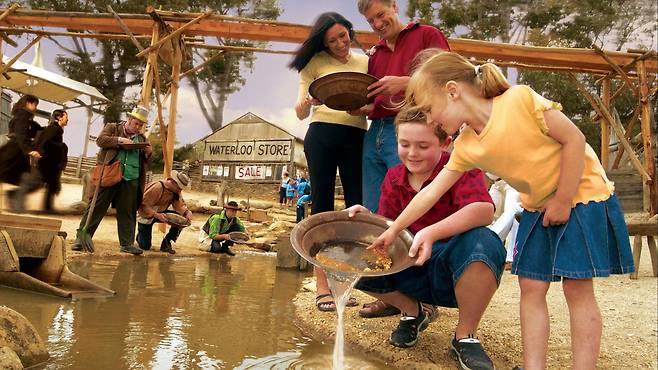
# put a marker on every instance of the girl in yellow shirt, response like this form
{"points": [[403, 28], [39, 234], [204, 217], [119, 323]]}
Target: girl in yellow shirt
{"points": [[572, 228]]}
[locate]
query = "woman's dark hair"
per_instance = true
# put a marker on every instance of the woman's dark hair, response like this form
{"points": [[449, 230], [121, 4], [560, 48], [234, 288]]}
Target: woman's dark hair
{"points": [[315, 41], [22, 102], [56, 115]]}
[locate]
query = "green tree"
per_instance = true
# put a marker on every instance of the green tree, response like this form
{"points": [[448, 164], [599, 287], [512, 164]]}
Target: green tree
{"points": [[613, 24], [111, 66]]}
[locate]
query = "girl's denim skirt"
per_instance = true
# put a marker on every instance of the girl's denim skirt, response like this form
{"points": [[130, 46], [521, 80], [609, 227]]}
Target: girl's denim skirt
{"points": [[593, 243]]}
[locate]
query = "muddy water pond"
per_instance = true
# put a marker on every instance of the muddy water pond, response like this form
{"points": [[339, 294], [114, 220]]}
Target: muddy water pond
{"points": [[179, 313]]}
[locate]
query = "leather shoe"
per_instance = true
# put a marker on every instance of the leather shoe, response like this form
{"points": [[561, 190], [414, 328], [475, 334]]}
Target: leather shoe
{"points": [[131, 249], [228, 251], [77, 245], [166, 247]]}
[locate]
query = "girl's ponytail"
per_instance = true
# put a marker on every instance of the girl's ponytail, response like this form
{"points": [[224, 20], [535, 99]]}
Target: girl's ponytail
{"points": [[491, 79], [437, 68]]}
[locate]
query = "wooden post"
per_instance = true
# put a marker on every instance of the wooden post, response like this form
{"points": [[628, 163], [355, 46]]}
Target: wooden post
{"points": [[650, 189], [90, 113], [171, 126], [605, 128], [151, 63]]}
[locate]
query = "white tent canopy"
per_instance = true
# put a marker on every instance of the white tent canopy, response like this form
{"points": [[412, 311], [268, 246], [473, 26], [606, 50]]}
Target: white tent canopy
{"points": [[48, 86]]}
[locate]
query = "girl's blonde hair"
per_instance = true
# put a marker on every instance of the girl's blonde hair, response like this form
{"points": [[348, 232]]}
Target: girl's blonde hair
{"points": [[446, 66], [410, 115]]}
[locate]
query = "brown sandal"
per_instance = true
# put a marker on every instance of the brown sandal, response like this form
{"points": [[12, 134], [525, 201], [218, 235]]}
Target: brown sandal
{"points": [[378, 309], [331, 305]]}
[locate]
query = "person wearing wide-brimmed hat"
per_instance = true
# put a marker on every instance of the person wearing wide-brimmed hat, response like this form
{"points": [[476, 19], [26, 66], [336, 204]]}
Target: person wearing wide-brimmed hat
{"points": [[158, 196], [215, 232], [125, 195]]}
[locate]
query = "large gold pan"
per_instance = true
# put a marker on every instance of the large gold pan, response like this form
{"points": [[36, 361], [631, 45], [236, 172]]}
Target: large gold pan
{"points": [[343, 90], [312, 232]]}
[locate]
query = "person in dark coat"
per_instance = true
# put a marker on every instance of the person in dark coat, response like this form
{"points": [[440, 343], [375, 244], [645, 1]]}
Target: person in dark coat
{"points": [[15, 154], [48, 169]]}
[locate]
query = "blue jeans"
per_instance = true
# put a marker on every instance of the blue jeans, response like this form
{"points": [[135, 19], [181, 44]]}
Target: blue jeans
{"points": [[434, 282], [380, 152]]}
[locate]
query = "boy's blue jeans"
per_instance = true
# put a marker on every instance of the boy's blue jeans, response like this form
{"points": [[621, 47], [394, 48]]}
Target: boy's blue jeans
{"points": [[380, 152], [434, 282]]}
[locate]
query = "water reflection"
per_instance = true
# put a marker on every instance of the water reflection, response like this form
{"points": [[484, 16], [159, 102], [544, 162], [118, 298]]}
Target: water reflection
{"points": [[183, 313]]}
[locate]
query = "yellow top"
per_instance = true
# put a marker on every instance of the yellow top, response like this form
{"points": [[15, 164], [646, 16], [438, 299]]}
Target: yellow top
{"points": [[323, 64], [515, 146]]}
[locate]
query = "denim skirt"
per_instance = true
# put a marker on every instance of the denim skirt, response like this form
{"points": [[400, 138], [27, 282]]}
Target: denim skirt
{"points": [[593, 243]]}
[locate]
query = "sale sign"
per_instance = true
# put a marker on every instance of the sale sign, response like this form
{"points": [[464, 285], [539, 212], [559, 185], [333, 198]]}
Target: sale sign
{"points": [[250, 172]]}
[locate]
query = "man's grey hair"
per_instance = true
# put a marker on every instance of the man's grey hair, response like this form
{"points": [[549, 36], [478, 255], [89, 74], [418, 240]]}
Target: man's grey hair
{"points": [[363, 5]]}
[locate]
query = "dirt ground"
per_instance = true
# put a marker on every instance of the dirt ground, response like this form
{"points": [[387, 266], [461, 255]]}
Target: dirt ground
{"points": [[629, 309]]}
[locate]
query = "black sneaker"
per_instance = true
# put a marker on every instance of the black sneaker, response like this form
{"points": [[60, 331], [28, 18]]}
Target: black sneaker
{"points": [[131, 249], [165, 247], [228, 251], [406, 334], [471, 354]]}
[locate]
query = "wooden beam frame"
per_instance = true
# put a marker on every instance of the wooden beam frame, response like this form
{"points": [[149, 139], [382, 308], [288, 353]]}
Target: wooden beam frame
{"points": [[629, 129], [617, 69], [177, 32], [5, 67], [650, 187], [125, 28], [202, 65], [230, 27], [230, 48], [596, 103]]}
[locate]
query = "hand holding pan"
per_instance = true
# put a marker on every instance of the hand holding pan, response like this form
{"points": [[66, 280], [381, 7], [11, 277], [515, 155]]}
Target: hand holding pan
{"points": [[239, 237], [177, 220]]}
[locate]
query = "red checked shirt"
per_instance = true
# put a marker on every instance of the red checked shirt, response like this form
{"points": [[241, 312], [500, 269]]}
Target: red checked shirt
{"points": [[386, 62], [397, 193]]}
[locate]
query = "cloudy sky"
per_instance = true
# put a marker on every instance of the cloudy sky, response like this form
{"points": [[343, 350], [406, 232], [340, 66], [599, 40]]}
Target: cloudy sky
{"points": [[270, 91]]}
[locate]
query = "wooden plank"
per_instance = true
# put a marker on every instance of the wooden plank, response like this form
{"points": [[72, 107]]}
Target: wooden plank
{"points": [[31, 243], [30, 222], [605, 128], [222, 26], [637, 253], [653, 251], [202, 65], [651, 189], [629, 130], [627, 81]]}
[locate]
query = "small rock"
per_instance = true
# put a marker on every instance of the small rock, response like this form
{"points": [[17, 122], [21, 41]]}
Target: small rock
{"points": [[18, 334], [9, 360]]}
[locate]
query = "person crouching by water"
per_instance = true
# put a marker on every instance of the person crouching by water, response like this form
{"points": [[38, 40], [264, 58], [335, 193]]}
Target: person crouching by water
{"points": [[218, 228], [126, 194], [48, 170], [158, 196]]}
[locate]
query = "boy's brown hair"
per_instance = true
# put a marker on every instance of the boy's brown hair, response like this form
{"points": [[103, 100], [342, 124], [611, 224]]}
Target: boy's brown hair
{"points": [[416, 116]]}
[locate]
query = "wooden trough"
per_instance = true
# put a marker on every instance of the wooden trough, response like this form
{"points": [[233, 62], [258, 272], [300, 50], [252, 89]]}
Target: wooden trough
{"points": [[33, 257]]}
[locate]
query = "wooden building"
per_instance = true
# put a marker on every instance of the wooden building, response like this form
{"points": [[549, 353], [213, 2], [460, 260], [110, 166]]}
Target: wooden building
{"points": [[250, 149]]}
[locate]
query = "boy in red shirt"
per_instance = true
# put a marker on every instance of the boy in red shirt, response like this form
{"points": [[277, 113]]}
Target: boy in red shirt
{"points": [[467, 258]]}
